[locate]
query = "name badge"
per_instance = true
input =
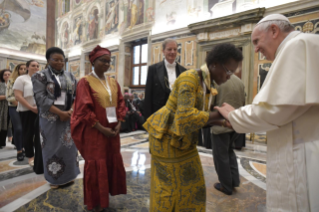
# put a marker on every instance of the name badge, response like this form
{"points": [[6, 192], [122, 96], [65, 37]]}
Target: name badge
{"points": [[60, 100], [111, 114]]}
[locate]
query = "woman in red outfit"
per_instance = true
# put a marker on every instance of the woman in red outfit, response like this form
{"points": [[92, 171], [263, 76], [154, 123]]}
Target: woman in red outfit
{"points": [[95, 125]]}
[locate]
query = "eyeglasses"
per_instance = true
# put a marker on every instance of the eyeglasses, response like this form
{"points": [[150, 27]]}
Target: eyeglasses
{"points": [[104, 61], [57, 60], [228, 72]]}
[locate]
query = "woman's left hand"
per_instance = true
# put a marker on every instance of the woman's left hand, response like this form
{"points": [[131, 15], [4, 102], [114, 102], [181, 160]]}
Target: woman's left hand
{"points": [[117, 128]]}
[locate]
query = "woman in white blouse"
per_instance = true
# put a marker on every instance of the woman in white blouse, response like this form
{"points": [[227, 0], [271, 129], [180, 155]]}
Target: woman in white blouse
{"points": [[23, 91]]}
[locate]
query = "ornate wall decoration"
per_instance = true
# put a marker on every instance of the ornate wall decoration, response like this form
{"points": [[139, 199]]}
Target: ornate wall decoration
{"points": [[113, 66], [308, 26], [189, 53], [74, 68], [12, 63], [156, 53]]}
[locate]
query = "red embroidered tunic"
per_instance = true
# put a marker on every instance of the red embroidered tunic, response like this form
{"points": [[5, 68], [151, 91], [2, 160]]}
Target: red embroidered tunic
{"points": [[104, 171]]}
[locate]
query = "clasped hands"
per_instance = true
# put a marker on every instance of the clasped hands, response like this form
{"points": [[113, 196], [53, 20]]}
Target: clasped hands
{"points": [[224, 110]]}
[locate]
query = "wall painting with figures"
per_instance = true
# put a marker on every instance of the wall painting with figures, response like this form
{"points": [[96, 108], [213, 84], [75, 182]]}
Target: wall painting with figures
{"points": [[77, 34], [17, 28], [111, 16]]}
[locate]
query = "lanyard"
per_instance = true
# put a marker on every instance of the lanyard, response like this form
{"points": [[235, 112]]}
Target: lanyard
{"points": [[204, 104], [204, 98], [107, 87]]}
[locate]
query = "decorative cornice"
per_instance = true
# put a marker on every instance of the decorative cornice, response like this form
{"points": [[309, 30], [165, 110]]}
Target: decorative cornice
{"points": [[227, 22], [20, 55], [292, 7], [172, 33], [137, 32], [237, 41], [73, 58]]}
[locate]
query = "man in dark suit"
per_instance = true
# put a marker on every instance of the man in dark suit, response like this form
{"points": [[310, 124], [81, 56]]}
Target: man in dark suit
{"points": [[160, 79]]}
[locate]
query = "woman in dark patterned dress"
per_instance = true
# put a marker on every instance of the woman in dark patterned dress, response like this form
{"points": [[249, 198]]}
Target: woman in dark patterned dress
{"points": [[54, 91]]}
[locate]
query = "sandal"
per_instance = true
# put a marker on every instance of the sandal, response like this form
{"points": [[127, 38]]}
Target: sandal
{"points": [[218, 186], [31, 163]]}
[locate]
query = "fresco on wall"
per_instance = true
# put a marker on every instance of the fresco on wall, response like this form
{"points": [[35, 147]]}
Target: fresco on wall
{"points": [[75, 68], [93, 24], [17, 28], [65, 35], [111, 16], [194, 8], [135, 13], [77, 35]]}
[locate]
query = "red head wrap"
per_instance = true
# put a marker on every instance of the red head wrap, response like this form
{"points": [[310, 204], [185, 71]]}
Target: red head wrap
{"points": [[98, 51]]}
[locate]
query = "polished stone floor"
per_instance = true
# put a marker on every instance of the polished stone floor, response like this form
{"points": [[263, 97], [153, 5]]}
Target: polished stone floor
{"points": [[22, 190]]}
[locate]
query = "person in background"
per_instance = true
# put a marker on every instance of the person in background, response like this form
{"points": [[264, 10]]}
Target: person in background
{"points": [[137, 119], [177, 179], [139, 102], [223, 139], [4, 114], [28, 111], [160, 79], [99, 108], [54, 91], [19, 70]]}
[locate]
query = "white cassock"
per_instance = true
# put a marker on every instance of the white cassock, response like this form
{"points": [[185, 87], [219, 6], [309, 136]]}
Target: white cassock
{"points": [[287, 107]]}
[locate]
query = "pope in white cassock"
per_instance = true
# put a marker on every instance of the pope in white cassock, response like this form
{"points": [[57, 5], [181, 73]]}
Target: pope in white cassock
{"points": [[287, 107]]}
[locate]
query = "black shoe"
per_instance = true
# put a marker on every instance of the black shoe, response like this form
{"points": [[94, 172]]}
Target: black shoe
{"points": [[218, 186], [20, 156]]}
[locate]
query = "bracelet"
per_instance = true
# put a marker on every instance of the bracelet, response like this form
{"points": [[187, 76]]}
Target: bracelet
{"points": [[71, 109]]}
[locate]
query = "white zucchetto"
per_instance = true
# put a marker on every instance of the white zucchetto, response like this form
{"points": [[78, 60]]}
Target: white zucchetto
{"points": [[274, 17]]}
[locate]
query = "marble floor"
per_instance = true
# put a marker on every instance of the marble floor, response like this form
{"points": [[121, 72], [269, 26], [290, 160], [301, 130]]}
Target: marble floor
{"points": [[23, 190]]}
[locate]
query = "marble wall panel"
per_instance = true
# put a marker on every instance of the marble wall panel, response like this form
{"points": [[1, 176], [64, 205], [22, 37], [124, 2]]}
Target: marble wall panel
{"points": [[156, 53]]}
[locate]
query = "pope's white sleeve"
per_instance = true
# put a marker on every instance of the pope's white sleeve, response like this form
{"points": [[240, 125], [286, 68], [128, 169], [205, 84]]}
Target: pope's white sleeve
{"points": [[264, 117]]}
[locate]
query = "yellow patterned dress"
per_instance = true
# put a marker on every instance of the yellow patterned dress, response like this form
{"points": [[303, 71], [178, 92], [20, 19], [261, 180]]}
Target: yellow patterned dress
{"points": [[177, 180]]}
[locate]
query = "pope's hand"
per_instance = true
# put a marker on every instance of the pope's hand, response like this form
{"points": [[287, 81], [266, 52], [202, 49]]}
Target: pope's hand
{"points": [[225, 109]]}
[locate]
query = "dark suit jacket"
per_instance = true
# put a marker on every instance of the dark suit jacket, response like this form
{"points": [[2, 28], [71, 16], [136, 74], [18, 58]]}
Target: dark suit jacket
{"points": [[157, 87]]}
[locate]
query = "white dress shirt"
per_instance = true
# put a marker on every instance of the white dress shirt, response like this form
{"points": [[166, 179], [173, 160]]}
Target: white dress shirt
{"points": [[171, 73]]}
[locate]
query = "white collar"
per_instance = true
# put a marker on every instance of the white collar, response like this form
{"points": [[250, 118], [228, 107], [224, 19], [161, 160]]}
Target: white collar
{"points": [[285, 40], [170, 64]]}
